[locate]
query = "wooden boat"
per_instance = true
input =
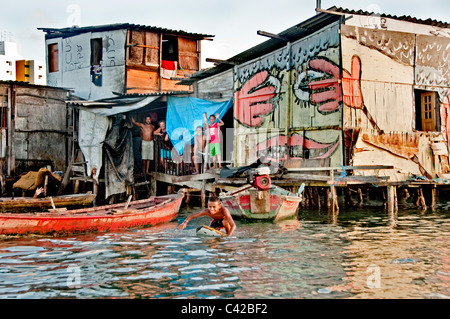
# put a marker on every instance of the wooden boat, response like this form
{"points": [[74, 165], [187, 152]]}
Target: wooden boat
{"points": [[29, 204], [145, 212], [272, 204]]}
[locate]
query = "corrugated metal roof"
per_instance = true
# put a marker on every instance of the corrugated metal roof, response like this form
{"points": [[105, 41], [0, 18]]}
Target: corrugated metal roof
{"points": [[69, 31], [123, 98], [292, 34], [21, 83], [431, 22], [153, 93]]}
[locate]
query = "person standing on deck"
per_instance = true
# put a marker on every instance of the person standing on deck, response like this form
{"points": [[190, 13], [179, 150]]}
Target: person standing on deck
{"points": [[165, 152], [214, 144], [199, 146], [147, 130]]}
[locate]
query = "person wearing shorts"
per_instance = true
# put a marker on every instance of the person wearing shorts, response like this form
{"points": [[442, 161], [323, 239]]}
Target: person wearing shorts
{"points": [[214, 145], [147, 131], [147, 150]]}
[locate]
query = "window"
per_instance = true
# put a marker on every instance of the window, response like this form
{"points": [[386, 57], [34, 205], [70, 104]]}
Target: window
{"points": [[53, 62], [96, 51], [427, 116], [169, 48]]}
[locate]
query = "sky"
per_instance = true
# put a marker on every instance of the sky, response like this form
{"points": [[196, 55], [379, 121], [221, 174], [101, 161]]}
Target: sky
{"points": [[233, 22]]}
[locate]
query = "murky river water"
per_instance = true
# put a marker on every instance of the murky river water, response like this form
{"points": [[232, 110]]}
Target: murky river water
{"points": [[359, 254]]}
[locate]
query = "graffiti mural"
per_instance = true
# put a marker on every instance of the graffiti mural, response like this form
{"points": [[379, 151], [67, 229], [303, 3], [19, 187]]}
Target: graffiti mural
{"points": [[294, 89], [301, 90], [299, 147], [255, 99]]}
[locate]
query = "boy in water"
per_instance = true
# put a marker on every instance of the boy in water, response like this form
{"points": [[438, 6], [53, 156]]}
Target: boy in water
{"points": [[221, 216]]}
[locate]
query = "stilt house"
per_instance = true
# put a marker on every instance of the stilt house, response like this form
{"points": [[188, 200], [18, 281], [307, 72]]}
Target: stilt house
{"points": [[342, 89]]}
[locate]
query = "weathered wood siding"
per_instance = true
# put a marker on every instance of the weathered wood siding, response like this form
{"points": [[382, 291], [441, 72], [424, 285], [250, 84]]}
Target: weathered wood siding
{"points": [[381, 65], [381, 71], [38, 127], [288, 104], [143, 62], [216, 88]]}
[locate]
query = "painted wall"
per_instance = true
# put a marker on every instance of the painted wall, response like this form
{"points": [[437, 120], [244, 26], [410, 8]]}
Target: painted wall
{"points": [[386, 69], [38, 130], [382, 68], [288, 104], [75, 64]]}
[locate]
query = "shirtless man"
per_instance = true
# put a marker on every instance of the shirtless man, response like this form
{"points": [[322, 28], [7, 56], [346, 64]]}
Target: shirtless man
{"points": [[147, 130], [221, 216]]}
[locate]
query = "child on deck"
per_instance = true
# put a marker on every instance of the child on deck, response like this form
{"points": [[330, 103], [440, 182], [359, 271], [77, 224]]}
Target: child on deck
{"points": [[199, 146], [214, 145]]}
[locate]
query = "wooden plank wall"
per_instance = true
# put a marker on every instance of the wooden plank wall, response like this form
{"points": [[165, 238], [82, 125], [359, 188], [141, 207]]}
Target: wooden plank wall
{"points": [[381, 64], [39, 127], [288, 104], [143, 62], [385, 68]]}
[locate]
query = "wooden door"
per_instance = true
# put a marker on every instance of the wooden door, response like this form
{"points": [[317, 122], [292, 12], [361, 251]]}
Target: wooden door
{"points": [[428, 106]]}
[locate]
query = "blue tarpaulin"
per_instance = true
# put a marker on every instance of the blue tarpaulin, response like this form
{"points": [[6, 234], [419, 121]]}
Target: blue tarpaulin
{"points": [[184, 114]]}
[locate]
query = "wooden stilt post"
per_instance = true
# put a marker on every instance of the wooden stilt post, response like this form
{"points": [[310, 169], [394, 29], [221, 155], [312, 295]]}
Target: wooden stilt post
{"points": [[391, 206], [328, 199], [317, 196], [422, 199], [203, 197], [360, 198], [395, 199], [433, 198], [390, 199], [417, 202], [348, 197], [334, 201], [153, 186]]}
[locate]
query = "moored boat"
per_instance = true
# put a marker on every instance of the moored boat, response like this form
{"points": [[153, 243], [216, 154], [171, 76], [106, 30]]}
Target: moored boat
{"points": [[274, 203], [145, 212], [29, 204]]}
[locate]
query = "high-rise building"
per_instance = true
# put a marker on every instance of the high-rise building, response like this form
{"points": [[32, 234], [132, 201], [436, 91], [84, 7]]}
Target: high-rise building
{"points": [[8, 57]]}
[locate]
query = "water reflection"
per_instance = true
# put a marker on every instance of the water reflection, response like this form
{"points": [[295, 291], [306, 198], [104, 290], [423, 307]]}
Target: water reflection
{"points": [[358, 254]]}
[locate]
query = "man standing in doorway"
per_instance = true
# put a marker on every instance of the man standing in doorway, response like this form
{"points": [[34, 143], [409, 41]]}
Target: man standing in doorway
{"points": [[147, 130]]}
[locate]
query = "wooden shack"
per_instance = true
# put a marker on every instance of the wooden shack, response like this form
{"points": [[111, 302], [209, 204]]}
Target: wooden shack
{"points": [[124, 58], [33, 127], [343, 88]]}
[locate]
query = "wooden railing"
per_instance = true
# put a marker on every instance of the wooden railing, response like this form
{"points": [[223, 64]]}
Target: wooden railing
{"points": [[168, 161]]}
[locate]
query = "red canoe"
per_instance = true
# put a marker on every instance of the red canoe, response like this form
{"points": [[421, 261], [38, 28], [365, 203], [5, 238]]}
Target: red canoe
{"points": [[145, 212]]}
